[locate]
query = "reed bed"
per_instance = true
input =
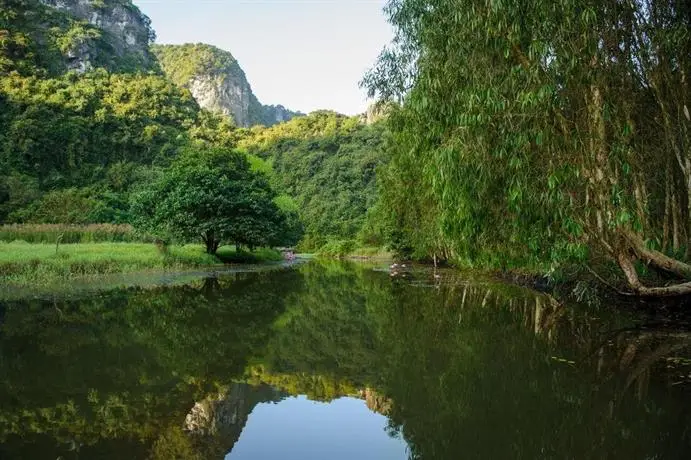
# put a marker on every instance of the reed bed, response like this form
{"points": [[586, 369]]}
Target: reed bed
{"points": [[70, 234]]}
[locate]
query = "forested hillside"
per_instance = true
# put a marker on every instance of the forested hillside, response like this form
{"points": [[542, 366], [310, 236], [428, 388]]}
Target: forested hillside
{"points": [[72, 144], [83, 135], [80, 142], [327, 164]]}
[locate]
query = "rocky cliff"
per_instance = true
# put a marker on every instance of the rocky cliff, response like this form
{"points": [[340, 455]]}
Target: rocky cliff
{"points": [[101, 33], [216, 423], [217, 82]]}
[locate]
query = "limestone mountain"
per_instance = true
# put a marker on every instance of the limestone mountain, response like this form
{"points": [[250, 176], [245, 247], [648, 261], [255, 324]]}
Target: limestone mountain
{"points": [[218, 83], [117, 33], [54, 36]]}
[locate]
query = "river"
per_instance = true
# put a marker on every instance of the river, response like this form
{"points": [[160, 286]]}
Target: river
{"points": [[338, 360]]}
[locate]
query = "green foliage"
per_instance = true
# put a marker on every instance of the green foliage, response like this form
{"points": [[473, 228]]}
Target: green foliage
{"points": [[66, 206], [79, 34], [64, 131], [326, 163], [212, 195], [181, 63], [214, 129], [227, 254], [16, 192], [21, 34], [528, 133], [294, 227], [337, 248], [100, 134]]}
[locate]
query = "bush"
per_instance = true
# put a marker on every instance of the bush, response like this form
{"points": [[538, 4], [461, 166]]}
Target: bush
{"points": [[229, 254], [337, 248]]}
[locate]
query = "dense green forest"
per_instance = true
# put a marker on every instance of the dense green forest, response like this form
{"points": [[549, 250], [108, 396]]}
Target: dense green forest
{"points": [[327, 164], [542, 135], [83, 147], [523, 136]]}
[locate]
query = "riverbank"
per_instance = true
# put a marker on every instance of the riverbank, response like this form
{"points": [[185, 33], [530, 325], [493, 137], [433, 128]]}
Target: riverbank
{"points": [[23, 264]]}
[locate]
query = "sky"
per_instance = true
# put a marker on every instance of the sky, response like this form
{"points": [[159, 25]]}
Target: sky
{"points": [[304, 54]]}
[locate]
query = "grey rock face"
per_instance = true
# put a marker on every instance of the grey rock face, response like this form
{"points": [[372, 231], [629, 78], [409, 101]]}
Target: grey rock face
{"points": [[125, 31], [279, 114], [218, 83], [223, 93], [217, 421], [227, 91]]}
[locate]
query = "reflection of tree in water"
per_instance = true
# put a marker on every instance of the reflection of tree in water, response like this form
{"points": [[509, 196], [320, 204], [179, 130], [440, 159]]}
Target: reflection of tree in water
{"points": [[325, 344], [487, 372], [474, 369], [632, 357], [462, 369], [82, 376]]}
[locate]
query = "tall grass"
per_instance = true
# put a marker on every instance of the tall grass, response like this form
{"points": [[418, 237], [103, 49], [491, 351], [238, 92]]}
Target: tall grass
{"points": [[23, 263], [49, 233]]}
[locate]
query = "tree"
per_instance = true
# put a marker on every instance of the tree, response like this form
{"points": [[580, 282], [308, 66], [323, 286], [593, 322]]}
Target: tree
{"points": [[212, 195], [546, 132]]}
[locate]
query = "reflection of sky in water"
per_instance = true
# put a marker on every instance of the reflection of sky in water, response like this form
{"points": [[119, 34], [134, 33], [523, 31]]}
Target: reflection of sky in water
{"points": [[299, 429]]}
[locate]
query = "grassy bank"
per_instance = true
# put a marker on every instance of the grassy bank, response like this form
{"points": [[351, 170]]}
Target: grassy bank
{"points": [[24, 264]]}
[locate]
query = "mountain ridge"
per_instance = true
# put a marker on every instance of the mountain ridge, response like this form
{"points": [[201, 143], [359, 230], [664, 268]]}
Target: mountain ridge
{"points": [[217, 82]]}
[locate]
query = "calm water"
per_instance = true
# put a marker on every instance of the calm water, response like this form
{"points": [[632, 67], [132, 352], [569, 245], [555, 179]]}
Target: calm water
{"points": [[338, 361]]}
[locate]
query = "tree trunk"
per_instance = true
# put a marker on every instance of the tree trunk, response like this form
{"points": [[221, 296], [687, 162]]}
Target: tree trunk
{"points": [[668, 205], [639, 250], [657, 258], [629, 269], [211, 243], [675, 222]]}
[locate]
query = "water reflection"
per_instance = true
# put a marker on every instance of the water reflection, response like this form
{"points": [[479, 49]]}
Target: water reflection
{"points": [[456, 368]]}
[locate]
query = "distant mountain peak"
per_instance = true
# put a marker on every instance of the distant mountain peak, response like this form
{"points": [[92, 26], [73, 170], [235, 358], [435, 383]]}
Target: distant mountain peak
{"points": [[218, 83]]}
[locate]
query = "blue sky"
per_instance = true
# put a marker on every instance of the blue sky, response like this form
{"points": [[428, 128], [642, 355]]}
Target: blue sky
{"points": [[304, 54]]}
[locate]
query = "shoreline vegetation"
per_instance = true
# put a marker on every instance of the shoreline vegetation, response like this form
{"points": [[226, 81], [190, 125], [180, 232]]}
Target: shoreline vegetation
{"points": [[42, 254], [45, 255], [23, 264]]}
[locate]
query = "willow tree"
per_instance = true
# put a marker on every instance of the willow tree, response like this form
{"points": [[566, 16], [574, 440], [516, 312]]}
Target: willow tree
{"points": [[547, 130]]}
